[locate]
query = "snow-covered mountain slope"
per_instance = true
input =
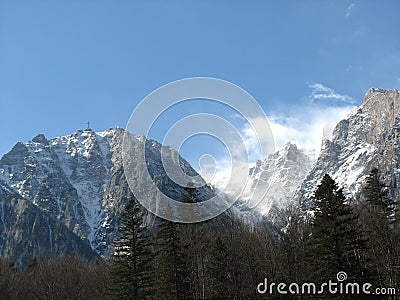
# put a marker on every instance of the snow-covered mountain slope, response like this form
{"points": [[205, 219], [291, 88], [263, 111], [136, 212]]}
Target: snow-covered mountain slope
{"points": [[278, 176], [78, 180], [367, 138]]}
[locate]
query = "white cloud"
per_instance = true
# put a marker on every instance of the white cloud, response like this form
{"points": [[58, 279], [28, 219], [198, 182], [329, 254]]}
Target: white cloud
{"points": [[349, 10], [321, 92], [305, 125]]}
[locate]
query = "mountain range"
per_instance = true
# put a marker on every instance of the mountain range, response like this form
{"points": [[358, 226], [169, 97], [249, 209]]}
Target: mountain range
{"points": [[64, 195]]}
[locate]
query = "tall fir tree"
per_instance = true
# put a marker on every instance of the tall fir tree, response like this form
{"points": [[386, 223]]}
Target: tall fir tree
{"points": [[194, 246], [377, 195], [131, 269], [336, 240], [380, 223], [171, 263]]}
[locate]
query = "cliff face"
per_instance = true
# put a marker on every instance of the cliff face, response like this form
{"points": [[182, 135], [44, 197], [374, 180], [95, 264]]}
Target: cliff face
{"points": [[367, 138], [26, 231]]}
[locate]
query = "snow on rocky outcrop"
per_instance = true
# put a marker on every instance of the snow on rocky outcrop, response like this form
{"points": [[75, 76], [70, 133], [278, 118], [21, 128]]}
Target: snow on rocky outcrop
{"points": [[279, 175], [367, 138]]}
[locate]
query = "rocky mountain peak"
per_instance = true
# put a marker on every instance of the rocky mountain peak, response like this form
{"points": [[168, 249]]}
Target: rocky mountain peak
{"points": [[290, 151], [41, 139], [279, 175], [19, 150], [376, 90], [376, 97]]}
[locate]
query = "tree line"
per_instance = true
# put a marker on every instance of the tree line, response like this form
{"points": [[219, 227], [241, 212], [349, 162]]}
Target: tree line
{"points": [[227, 258]]}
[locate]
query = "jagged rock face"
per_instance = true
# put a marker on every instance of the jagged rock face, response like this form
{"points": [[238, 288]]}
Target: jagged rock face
{"points": [[279, 174], [367, 138], [78, 181]]}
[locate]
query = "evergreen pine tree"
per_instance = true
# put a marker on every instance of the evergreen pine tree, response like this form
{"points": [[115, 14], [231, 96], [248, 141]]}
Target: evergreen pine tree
{"points": [[377, 194], [171, 268], [380, 224], [336, 240], [193, 246], [131, 264]]}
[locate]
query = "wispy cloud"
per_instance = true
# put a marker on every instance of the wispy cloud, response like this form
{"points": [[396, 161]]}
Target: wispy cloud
{"points": [[305, 124], [321, 92], [309, 122], [349, 10]]}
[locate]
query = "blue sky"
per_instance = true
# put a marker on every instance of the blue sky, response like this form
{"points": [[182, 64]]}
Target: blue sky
{"points": [[63, 63]]}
